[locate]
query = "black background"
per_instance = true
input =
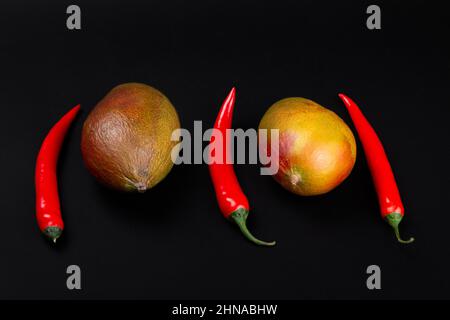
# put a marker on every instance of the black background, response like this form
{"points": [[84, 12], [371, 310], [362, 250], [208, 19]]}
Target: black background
{"points": [[172, 242]]}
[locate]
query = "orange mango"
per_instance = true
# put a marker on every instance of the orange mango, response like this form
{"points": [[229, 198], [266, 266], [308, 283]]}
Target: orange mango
{"points": [[317, 150]]}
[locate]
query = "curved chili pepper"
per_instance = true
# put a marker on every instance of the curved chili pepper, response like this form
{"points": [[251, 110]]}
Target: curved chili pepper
{"points": [[48, 211], [232, 201], [388, 195]]}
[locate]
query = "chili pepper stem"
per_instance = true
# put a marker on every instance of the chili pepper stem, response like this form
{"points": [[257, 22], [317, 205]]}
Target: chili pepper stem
{"points": [[53, 233], [394, 220], [240, 217]]}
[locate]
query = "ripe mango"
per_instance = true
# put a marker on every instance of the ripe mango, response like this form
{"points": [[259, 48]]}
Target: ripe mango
{"points": [[126, 139], [317, 150]]}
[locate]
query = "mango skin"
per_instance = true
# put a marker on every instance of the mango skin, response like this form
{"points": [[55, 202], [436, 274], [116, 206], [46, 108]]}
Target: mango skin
{"points": [[317, 150], [126, 139]]}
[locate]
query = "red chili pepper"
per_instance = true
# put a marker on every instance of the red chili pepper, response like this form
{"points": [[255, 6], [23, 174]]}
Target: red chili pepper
{"points": [[48, 211], [388, 195], [232, 201]]}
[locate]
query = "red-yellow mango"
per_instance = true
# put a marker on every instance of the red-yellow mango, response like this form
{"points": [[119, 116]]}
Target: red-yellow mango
{"points": [[317, 150]]}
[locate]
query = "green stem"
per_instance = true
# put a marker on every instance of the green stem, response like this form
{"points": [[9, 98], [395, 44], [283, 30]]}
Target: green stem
{"points": [[53, 233], [240, 217], [394, 220]]}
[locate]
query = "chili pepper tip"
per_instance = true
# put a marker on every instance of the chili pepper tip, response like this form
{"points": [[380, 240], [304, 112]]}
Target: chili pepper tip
{"points": [[73, 112], [240, 217], [343, 97], [394, 220]]}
